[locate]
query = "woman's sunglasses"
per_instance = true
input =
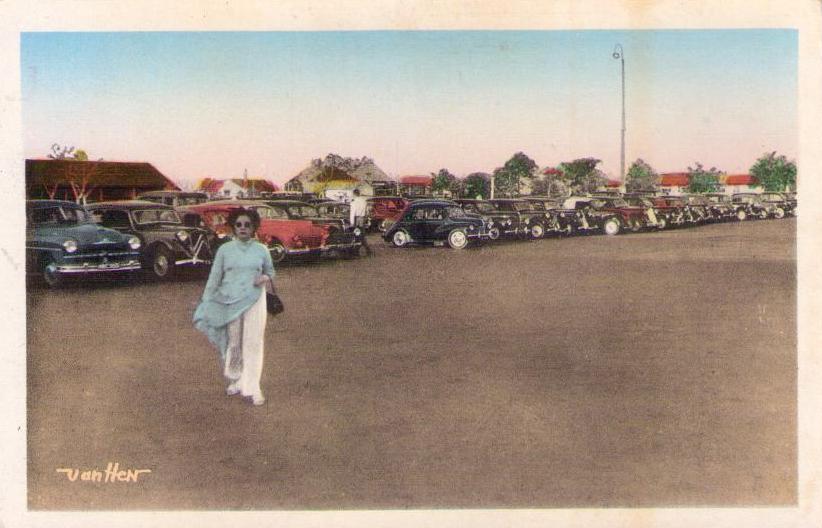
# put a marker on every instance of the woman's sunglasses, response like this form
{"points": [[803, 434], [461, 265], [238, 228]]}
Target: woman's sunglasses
{"points": [[242, 224]]}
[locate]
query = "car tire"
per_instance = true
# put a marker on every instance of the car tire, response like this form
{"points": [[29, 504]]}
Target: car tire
{"points": [[741, 215], [457, 239], [779, 213], [400, 238], [277, 251], [661, 223], [611, 227], [162, 263], [536, 231], [50, 275], [493, 233]]}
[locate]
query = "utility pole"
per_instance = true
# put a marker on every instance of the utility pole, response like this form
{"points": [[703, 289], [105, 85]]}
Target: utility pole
{"points": [[620, 54]]}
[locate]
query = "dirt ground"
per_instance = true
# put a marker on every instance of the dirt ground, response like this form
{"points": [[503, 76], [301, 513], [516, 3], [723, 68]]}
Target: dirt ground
{"points": [[656, 369]]}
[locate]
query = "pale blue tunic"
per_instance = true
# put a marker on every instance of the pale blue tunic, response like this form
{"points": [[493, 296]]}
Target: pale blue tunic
{"points": [[230, 289]]}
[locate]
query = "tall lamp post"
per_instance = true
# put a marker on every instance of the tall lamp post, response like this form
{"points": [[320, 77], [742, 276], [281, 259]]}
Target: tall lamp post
{"points": [[619, 54]]}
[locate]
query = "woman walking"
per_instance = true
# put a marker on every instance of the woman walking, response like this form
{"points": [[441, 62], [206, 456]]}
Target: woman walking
{"points": [[232, 312]]}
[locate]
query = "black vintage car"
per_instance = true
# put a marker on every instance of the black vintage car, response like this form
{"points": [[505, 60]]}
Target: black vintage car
{"points": [[436, 222], [781, 205], [166, 241], [501, 223], [62, 240], [751, 205], [527, 220]]}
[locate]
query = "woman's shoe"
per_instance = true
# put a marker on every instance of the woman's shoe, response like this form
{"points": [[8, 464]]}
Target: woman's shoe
{"points": [[257, 399], [232, 389]]}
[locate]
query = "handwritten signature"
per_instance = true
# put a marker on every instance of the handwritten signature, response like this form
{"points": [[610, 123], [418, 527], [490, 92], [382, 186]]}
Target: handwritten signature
{"points": [[112, 473]]}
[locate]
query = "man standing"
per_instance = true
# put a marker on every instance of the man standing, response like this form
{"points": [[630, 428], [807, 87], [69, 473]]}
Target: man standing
{"points": [[358, 210]]}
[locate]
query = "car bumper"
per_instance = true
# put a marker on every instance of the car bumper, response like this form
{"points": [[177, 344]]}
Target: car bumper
{"points": [[103, 267]]}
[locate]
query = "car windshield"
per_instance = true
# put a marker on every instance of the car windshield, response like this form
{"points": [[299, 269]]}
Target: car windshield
{"points": [[522, 206], [597, 204], [718, 198], [59, 215], [618, 202], [302, 211], [191, 200], [538, 206], [271, 213], [745, 199], [156, 216]]}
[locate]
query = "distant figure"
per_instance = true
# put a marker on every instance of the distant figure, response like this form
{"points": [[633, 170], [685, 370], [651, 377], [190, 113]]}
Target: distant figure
{"points": [[233, 312], [357, 211]]}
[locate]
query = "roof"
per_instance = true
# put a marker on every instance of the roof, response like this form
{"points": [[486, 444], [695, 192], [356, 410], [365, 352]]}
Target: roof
{"points": [[98, 173], [674, 179], [613, 183], [50, 203], [416, 180], [213, 186], [551, 171], [740, 179], [172, 193]]}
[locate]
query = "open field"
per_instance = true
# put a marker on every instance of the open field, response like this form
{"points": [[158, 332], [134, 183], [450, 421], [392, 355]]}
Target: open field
{"points": [[656, 369]]}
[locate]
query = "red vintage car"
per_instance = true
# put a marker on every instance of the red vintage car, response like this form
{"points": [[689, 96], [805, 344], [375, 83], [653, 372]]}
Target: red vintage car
{"points": [[383, 211], [284, 237]]}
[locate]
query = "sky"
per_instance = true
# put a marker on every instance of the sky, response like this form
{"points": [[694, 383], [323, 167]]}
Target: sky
{"points": [[213, 104]]}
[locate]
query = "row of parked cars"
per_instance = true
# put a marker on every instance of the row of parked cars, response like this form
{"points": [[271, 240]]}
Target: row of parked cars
{"points": [[160, 232], [458, 222]]}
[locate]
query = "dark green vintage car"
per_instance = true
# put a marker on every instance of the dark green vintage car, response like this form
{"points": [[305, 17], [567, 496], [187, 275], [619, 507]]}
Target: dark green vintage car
{"points": [[62, 240], [437, 222]]}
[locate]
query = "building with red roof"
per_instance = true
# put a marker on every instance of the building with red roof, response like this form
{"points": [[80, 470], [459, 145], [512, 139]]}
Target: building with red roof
{"points": [[416, 185], [236, 187]]}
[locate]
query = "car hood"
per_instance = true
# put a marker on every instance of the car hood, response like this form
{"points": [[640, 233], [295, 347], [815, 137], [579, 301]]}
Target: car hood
{"points": [[84, 234]]}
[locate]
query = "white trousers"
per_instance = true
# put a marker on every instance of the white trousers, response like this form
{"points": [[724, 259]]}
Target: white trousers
{"points": [[244, 355]]}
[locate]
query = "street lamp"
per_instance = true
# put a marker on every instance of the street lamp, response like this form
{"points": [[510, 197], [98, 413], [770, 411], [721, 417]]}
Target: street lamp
{"points": [[619, 54]]}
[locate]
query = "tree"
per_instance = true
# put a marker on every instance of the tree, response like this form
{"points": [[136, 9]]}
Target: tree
{"points": [[77, 176], [477, 184], [444, 181], [701, 180], [582, 174], [508, 178], [641, 177], [775, 173]]}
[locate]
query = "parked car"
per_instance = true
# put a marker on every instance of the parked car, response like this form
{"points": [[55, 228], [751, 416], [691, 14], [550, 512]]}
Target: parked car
{"points": [[781, 205], [382, 211], [720, 206], [174, 198], [62, 240], [501, 223], [165, 242], [676, 209], [341, 234], [284, 237], [751, 205], [527, 219], [701, 207], [610, 215], [437, 222], [654, 216]]}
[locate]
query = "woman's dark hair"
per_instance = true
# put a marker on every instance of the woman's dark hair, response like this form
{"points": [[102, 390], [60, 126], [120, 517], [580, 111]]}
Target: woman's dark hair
{"points": [[252, 215]]}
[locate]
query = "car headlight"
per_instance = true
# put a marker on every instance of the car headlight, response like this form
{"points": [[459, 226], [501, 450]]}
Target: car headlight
{"points": [[508, 222], [490, 224], [182, 236], [134, 242], [70, 246], [470, 228], [221, 235], [357, 231], [526, 221]]}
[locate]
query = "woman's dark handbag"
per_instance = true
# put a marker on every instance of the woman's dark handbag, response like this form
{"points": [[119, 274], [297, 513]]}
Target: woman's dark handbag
{"points": [[273, 303]]}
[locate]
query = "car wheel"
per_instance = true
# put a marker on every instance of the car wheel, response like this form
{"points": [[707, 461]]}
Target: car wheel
{"points": [[741, 215], [661, 223], [763, 214], [779, 213], [493, 233], [537, 231], [50, 275], [162, 264], [457, 239], [385, 225], [611, 226], [277, 250], [400, 238]]}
